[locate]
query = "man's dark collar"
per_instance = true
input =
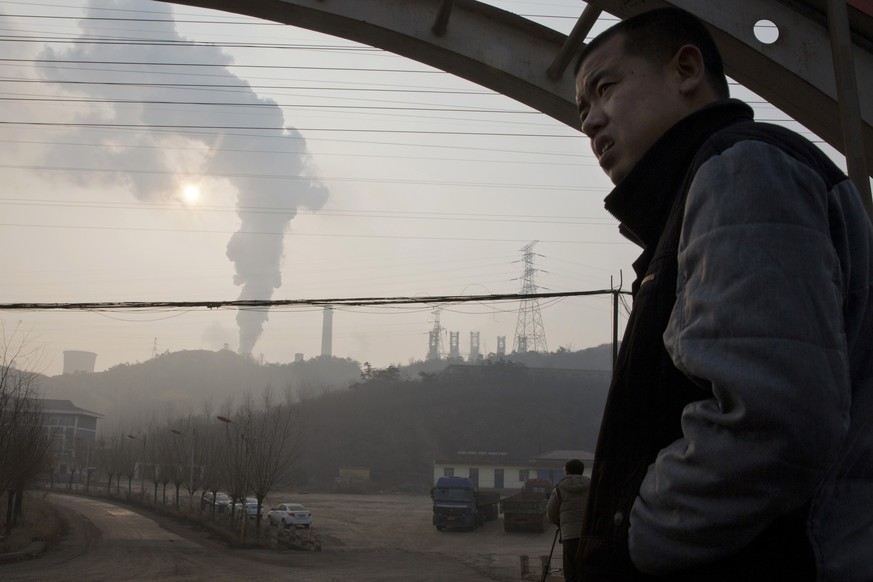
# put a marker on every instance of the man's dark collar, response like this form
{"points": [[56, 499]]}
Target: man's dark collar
{"points": [[642, 201]]}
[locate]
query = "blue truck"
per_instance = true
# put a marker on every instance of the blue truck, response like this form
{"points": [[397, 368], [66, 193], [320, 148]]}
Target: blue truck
{"points": [[458, 503]]}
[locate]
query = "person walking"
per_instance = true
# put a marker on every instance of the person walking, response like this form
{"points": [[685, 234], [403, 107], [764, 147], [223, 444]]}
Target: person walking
{"points": [[736, 441], [566, 509]]}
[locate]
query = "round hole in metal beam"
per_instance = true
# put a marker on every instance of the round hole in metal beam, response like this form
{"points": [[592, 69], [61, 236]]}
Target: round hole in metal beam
{"points": [[766, 31]]}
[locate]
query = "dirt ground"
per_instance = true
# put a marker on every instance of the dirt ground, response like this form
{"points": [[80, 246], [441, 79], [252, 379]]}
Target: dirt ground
{"points": [[402, 523]]}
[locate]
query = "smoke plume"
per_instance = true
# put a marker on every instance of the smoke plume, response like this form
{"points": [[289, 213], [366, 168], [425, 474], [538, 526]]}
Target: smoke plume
{"points": [[257, 162]]}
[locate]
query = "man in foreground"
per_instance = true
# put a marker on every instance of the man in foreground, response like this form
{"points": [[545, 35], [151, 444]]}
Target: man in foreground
{"points": [[737, 440]]}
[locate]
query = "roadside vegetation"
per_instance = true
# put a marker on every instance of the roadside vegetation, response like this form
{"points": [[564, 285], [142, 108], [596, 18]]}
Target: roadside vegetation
{"points": [[25, 444], [40, 522], [185, 461]]}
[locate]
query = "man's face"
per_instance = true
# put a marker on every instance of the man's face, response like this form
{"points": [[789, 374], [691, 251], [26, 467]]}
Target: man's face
{"points": [[625, 104]]}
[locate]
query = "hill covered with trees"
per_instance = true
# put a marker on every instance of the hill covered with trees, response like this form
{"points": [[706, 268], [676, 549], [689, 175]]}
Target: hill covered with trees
{"points": [[397, 427], [394, 421]]}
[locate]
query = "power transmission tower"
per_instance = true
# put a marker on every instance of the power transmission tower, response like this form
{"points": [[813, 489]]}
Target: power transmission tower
{"points": [[529, 333]]}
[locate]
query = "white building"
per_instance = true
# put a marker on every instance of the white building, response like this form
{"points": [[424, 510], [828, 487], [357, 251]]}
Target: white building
{"points": [[492, 470], [73, 431]]}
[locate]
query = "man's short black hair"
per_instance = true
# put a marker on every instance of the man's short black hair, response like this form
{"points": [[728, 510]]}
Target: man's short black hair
{"points": [[658, 34], [574, 467]]}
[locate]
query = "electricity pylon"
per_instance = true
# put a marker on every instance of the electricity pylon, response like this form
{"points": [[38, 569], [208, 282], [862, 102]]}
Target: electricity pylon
{"points": [[530, 336]]}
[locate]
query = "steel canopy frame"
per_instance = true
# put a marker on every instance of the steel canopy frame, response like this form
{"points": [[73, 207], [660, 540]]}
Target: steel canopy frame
{"points": [[528, 62], [488, 46]]}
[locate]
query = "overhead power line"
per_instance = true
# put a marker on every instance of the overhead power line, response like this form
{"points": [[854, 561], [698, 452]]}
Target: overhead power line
{"points": [[224, 65], [240, 88], [245, 304], [280, 130]]}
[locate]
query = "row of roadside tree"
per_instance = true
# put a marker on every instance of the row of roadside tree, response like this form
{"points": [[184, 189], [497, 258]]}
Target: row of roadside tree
{"points": [[244, 451]]}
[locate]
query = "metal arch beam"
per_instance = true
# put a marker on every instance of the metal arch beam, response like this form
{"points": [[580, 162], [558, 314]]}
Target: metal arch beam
{"points": [[488, 46], [512, 55]]}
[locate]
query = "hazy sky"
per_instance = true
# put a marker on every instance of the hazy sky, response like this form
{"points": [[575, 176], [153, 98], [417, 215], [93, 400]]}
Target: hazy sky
{"points": [[308, 167]]}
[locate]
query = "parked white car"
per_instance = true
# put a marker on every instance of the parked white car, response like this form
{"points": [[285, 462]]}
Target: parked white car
{"points": [[251, 508], [289, 514], [222, 502]]}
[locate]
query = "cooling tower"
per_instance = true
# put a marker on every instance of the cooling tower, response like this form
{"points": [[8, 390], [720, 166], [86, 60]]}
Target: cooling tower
{"points": [[78, 361]]}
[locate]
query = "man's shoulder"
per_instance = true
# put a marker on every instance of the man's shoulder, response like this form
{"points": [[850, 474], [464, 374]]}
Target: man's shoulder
{"points": [[749, 129], [791, 143], [575, 483]]}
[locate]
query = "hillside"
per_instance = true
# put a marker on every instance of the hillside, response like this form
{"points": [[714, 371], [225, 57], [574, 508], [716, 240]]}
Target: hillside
{"points": [[186, 381], [394, 421]]}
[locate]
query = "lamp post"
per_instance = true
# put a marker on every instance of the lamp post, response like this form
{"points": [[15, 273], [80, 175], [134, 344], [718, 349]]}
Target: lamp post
{"points": [[191, 467], [245, 483]]}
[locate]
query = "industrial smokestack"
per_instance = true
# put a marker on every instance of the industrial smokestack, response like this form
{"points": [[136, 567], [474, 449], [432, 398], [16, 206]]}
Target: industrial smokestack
{"points": [[327, 332]]}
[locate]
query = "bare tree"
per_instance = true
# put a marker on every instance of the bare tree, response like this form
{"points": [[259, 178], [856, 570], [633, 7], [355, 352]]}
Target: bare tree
{"points": [[234, 465], [24, 440], [128, 459], [103, 460], [113, 456], [175, 473], [274, 446], [185, 430], [153, 456], [166, 464]]}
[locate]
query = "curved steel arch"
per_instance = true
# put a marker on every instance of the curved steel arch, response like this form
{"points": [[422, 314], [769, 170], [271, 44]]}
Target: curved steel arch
{"points": [[528, 62]]}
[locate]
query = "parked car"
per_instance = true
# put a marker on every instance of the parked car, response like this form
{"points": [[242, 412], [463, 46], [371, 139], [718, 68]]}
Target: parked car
{"points": [[289, 514], [251, 508], [222, 502]]}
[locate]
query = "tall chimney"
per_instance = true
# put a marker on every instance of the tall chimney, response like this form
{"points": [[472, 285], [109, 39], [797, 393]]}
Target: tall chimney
{"points": [[327, 332]]}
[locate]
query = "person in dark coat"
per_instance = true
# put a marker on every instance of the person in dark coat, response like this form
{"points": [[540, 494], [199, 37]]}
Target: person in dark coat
{"points": [[736, 441], [566, 509]]}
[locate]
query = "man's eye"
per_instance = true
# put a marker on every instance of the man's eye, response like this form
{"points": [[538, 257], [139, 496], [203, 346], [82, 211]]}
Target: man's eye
{"points": [[603, 88]]}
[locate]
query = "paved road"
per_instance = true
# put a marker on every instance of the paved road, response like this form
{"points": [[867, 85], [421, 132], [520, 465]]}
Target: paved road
{"points": [[108, 542]]}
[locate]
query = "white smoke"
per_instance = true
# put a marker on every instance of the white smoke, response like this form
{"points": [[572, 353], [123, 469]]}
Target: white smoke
{"points": [[265, 204]]}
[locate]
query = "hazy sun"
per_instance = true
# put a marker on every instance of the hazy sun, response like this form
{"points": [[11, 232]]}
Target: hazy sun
{"points": [[192, 193]]}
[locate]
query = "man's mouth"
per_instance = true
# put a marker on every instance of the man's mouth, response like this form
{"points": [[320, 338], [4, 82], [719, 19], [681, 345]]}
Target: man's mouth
{"points": [[601, 146]]}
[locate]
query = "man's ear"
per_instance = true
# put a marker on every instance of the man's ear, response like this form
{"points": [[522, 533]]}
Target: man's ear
{"points": [[689, 70]]}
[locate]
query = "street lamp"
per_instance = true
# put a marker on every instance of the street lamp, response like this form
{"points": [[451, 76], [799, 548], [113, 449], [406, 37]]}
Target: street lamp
{"points": [[191, 472]]}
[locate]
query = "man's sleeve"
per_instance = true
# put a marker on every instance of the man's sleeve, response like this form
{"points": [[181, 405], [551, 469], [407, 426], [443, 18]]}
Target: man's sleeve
{"points": [[758, 320], [553, 508]]}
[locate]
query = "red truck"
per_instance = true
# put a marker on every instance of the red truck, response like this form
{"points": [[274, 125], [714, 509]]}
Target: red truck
{"points": [[527, 508]]}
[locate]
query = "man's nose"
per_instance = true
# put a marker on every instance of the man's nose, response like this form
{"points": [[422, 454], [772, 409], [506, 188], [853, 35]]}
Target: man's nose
{"points": [[593, 121]]}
